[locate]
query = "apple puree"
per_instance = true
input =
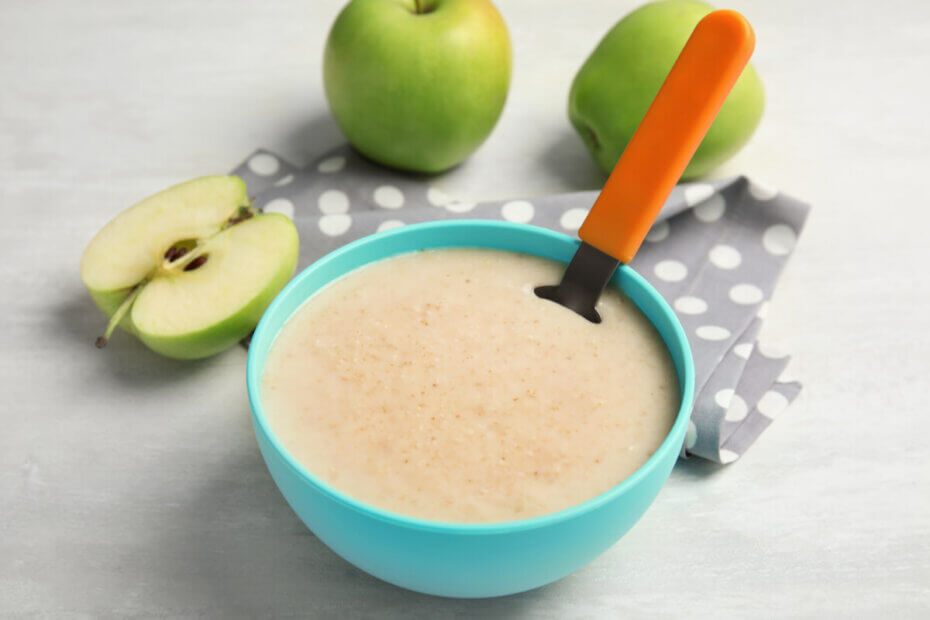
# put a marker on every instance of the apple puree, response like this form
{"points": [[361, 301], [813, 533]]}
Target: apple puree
{"points": [[437, 385]]}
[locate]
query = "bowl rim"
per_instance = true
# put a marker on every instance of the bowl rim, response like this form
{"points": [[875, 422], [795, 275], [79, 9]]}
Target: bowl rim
{"points": [[261, 423]]}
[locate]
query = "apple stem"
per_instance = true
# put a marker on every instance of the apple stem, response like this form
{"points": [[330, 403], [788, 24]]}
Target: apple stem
{"points": [[242, 214], [118, 315], [416, 7]]}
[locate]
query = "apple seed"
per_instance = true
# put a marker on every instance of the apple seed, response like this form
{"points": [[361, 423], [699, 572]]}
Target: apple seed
{"points": [[196, 263]]}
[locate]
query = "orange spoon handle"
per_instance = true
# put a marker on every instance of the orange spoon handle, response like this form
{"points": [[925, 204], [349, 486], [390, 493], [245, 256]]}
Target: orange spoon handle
{"points": [[670, 132]]}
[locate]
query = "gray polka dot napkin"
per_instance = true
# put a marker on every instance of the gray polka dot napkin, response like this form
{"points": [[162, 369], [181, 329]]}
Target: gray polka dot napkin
{"points": [[715, 253]]}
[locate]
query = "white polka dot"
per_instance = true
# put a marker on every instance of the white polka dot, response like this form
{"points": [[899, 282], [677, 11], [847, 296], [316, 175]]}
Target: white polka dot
{"points": [[333, 201], [658, 232], [712, 332], [573, 218], [690, 305], [697, 193], [286, 180], [737, 410], [745, 294], [761, 191], [690, 436], [334, 225], [459, 207], [264, 164], [332, 164], [771, 404], [437, 197], [727, 456], [725, 256], [763, 310], [711, 209], [389, 197], [519, 211], [389, 224], [771, 351], [723, 397], [787, 375], [743, 350], [779, 239], [280, 205], [671, 270]]}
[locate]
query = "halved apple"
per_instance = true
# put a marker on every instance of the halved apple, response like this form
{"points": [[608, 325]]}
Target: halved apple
{"points": [[191, 269]]}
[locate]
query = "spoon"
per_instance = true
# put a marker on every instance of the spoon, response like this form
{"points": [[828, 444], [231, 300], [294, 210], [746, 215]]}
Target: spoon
{"points": [[656, 156]]}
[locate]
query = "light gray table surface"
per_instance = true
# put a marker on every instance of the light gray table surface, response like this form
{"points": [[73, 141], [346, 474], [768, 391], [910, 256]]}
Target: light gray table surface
{"points": [[131, 485]]}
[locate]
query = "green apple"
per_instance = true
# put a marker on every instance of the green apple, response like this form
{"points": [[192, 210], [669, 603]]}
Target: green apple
{"points": [[617, 83], [417, 84], [191, 269]]}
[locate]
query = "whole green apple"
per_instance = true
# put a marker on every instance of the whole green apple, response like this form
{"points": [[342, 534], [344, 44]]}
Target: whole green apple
{"points": [[617, 83], [417, 85]]}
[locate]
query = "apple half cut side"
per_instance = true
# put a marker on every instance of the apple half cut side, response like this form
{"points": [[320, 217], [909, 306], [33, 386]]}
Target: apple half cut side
{"points": [[190, 270]]}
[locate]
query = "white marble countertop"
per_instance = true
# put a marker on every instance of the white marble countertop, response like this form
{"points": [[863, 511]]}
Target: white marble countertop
{"points": [[132, 486]]}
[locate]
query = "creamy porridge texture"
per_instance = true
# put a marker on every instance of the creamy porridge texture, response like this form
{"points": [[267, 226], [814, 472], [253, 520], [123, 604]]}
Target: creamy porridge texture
{"points": [[437, 385]]}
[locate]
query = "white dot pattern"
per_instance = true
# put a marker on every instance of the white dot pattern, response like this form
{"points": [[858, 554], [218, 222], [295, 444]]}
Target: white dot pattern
{"points": [[690, 305], [746, 294], [727, 456], [280, 205], [725, 257], [264, 165], [658, 232], [332, 164], [697, 193], [334, 225], [778, 239], [459, 207], [518, 211], [671, 270], [737, 409], [712, 332], [389, 197], [437, 197], [690, 435], [771, 404], [711, 209], [770, 350], [573, 218], [389, 224], [787, 375], [333, 201], [762, 192], [743, 350]]}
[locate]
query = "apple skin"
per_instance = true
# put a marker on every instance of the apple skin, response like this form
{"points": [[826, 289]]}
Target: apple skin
{"points": [[231, 330], [617, 83], [417, 92]]}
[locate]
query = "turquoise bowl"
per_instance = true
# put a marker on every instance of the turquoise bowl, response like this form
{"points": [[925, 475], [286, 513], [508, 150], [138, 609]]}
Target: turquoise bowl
{"points": [[460, 559]]}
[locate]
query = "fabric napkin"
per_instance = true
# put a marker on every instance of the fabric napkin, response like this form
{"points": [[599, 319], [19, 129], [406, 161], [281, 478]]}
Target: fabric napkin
{"points": [[715, 254]]}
